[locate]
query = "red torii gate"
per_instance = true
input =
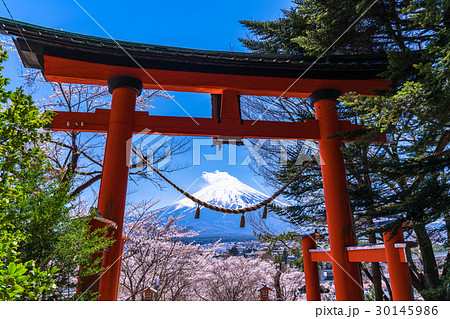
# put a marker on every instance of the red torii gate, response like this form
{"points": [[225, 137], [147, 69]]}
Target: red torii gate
{"points": [[127, 68], [392, 251]]}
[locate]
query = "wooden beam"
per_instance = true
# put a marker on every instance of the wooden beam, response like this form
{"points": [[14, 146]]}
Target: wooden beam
{"points": [[71, 71], [321, 255], [375, 253], [170, 125], [364, 253]]}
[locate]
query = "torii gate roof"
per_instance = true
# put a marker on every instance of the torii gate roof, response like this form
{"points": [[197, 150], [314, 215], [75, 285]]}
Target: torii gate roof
{"points": [[76, 58]]}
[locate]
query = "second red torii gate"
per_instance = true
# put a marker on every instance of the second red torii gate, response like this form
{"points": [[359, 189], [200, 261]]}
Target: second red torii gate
{"points": [[127, 68]]}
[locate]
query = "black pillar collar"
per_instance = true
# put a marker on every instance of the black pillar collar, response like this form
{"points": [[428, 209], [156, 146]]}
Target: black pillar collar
{"points": [[324, 94], [125, 82]]}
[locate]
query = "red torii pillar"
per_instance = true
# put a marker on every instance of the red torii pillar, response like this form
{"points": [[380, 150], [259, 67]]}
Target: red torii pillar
{"points": [[347, 275], [311, 269], [398, 270], [113, 186]]}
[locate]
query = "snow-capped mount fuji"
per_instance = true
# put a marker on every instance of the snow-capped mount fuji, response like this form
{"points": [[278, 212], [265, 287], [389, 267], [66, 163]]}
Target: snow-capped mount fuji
{"points": [[226, 191]]}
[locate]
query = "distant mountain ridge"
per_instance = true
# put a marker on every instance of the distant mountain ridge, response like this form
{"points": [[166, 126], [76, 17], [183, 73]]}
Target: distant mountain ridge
{"points": [[227, 191]]}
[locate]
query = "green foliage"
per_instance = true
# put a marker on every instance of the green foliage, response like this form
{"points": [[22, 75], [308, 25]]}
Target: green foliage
{"points": [[370, 295], [285, 240], [275, 36], [234, 251], [18, 280], [20, 120], [312, 26], [42, 242]]}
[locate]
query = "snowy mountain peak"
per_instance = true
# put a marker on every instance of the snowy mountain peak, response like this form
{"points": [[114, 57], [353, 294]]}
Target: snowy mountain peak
{"points": [[217, 176], [222, 190], [226, 191]]}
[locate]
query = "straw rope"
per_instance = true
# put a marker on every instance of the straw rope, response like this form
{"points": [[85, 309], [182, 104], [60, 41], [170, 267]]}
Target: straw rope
{"points": [[223, 209]]}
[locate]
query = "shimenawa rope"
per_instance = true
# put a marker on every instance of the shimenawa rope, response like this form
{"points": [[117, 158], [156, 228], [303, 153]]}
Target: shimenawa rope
{"points": [[223, 209]]}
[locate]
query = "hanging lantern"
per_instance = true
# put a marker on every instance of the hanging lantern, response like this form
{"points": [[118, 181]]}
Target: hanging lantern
{"points": [[197, 212], [264, 214], [242, 225]]}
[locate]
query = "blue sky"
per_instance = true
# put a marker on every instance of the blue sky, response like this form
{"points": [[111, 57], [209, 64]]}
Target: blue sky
{"points": [[193, 24]]}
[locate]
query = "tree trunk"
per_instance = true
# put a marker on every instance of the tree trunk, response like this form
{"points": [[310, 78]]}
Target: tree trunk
{"points": [[430, 269], [388, 285], [376, 273], [375, 267], [276, 283], [446, 266]]}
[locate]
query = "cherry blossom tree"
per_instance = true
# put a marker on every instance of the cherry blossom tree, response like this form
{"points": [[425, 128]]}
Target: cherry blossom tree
{"points": [[79, 155], [290, 282], [233, 278], [155, 248]]}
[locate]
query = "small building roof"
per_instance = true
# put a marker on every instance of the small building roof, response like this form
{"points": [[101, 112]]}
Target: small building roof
{"points": [[263, 286], [149, 288]]}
